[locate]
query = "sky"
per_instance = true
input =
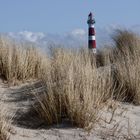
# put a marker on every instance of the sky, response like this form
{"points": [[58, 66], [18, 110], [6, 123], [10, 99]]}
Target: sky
{"points": [[60, 16]]}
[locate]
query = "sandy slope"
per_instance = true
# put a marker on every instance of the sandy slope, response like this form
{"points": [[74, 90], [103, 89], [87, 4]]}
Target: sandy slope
{"points": [[125, 124]]}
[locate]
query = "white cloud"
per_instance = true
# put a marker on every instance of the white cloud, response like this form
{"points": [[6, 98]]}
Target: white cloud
{"points": [[30, 36], [78, 32], [27, 36]]}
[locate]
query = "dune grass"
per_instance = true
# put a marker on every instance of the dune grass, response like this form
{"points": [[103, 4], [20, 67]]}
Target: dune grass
{"points": [[126, 59], [77, 87], [4, 125], [126, 39], [19, 61]]}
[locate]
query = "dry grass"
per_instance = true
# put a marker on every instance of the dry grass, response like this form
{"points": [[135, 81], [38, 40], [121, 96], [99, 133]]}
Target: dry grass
{"points": [[19, 62], [4, 126], [104, 56], [75, 89], [125, 39], [127, 74], [126, 60]]}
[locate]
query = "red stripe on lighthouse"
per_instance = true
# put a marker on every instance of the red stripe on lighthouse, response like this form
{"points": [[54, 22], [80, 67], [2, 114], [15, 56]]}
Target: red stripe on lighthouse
{"points": [[91, 31], [92, 44]]}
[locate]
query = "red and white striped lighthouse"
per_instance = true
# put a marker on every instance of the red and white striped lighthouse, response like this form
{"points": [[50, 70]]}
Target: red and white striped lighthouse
{"points": [[91, 34]]}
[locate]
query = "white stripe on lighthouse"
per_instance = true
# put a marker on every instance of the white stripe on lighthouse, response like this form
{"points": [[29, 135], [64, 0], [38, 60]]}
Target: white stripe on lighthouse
{"points": [[94, 50], [91, 38], [91, 25]]}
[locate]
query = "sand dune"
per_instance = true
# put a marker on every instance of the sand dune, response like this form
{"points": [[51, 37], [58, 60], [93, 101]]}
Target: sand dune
{"points": [[25, 126]]}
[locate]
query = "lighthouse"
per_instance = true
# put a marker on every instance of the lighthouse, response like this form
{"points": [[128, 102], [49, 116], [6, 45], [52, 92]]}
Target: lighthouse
{"points": [[91, 34]]}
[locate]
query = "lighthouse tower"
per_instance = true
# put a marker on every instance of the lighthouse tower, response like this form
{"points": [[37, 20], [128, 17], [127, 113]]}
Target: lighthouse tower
{"points": [[91, 34]]}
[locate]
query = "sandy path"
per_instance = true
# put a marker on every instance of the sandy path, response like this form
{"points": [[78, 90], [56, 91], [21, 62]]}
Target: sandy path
{"points": [[25, 126]]}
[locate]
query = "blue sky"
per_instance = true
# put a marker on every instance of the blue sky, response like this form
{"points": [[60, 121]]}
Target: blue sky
{"points": [[59, 16]]}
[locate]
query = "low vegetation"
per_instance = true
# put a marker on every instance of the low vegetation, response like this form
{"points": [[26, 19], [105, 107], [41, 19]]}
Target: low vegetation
{"points": [[126, 59], [77, 85], [4, 125], [75, 89], [19, 61]]}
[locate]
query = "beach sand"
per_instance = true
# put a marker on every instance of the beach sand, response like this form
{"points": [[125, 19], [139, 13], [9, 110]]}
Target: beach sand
{"points": [[125, 123]]}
